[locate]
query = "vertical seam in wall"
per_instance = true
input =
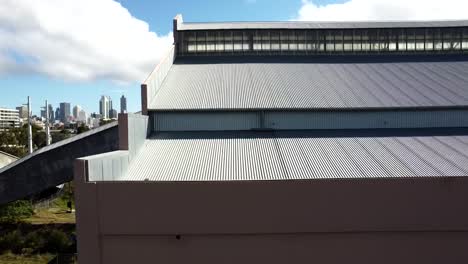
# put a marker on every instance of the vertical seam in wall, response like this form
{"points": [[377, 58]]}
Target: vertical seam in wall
{"points": [[102, 169], [98, 216]]}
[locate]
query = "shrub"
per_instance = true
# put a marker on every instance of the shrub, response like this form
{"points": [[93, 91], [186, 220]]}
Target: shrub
{"points": [[11, 241], [35, 241], [15, 212], [56, 241]]}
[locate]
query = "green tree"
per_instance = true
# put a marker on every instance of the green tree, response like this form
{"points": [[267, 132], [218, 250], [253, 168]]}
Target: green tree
{"points": [[8, 138], [15, 151], [105, 121], [82, 128], [63, 134], [39, 139]]}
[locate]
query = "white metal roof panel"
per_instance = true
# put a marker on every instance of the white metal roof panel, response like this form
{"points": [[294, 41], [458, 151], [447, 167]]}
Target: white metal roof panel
{"points": [[240, 156], [313, 83]]}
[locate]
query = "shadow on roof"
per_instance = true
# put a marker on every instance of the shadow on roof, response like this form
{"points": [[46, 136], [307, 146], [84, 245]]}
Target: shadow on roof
{"points": [[339, 133]]}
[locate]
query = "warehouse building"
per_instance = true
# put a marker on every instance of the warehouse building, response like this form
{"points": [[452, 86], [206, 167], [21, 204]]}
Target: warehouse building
{"points": [[289, 142]]}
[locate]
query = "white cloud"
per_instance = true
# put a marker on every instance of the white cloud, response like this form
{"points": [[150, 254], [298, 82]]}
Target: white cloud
{"points": [[357, 10], [80, 40]]}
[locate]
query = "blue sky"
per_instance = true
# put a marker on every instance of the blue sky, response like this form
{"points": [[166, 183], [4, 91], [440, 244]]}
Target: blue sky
{"points": [[16, 87], [77, 50]]}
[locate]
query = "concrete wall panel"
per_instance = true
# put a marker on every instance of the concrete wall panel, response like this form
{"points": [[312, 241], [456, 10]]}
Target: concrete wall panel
{"points": [[328, 221], [339, 248], [284, 206]]}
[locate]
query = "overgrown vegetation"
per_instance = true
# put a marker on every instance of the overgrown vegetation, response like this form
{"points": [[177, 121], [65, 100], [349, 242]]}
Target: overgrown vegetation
{"points": [[28, 233], [42, 240], [15, 212]]}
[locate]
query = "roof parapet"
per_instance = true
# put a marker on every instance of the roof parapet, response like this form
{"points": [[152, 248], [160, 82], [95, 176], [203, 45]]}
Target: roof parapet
{"points": [[176, 24]]}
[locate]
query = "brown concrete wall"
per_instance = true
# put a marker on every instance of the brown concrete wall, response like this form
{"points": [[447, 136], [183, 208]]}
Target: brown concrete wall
{"points": [[144, 99], [324, 248], [330, 221]]}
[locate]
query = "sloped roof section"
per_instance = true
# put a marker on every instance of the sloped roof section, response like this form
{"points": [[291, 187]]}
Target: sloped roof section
{"points": [[332, 82], [294, 155]]}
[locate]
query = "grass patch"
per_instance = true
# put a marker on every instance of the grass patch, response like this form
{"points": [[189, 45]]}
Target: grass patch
{"points": [[57, 213], [54, 215], [32, 236], [9, 258]]}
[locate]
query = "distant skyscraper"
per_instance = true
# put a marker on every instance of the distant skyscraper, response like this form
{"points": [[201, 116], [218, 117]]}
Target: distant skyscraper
{"points": [[57, 114], [123, 104], [64, 112], [51, 113], [81, 116], [23, 112], [76, 111], [113, 114], [105, 105]]}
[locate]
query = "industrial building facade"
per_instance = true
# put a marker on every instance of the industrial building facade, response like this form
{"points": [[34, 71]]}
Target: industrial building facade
{"points": [[289, 142], [9, 118]]}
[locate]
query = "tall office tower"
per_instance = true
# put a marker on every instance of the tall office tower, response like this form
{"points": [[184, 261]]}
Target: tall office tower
{"points": [[23, 112], [123, 104], [113, 114], [64, 112], [105, 105], [82, 116], [51, 113], [76, 111], [57, 114]]}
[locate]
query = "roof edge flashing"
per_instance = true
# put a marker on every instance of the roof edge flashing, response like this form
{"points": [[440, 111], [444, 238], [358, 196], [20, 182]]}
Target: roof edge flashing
{"points": [[154, 81], [178, 21], [245, 25]]}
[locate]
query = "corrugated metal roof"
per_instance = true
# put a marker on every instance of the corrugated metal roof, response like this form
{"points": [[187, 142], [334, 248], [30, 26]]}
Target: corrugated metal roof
{"points": [[320, 25], [313, 82], [234, 156]]}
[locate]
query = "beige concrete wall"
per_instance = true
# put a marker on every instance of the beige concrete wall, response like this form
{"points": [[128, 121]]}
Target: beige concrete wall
{"points": [[6, 159], [329, 221]]}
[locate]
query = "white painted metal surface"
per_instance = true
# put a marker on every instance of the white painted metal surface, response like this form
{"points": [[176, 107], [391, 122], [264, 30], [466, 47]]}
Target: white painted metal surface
{"points": [[238, 156], [304, 83]]}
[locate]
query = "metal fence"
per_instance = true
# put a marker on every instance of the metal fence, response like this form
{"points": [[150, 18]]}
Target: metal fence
{"points": [[65, 259]]}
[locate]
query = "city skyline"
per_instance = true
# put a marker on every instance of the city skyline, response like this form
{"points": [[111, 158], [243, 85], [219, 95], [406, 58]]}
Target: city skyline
{"points": [[38, 107]]}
